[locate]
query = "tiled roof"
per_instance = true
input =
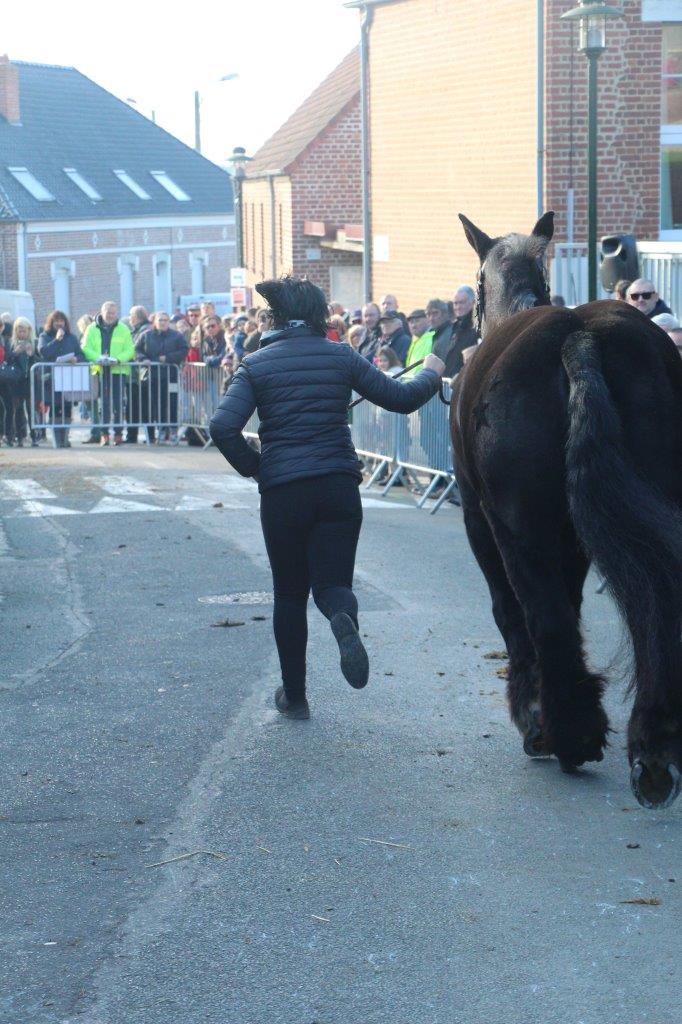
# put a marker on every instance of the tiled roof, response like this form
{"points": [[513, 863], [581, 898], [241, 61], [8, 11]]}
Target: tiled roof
{"points": [[67, 120], [311, 118]]}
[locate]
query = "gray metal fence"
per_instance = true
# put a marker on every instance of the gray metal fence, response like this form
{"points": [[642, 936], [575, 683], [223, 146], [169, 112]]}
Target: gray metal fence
{"points": [[159, 396]]}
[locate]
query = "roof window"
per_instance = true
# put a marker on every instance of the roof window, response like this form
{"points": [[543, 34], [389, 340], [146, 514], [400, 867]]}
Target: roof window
{"points": [[170, 186], [31, 184], [83, 185], [132, 184]]}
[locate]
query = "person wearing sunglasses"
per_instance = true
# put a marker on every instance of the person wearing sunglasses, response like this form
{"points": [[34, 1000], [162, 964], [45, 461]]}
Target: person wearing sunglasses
{"points": [[643, 296]]}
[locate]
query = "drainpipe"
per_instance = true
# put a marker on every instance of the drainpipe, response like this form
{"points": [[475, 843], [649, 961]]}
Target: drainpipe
{"points": [[273, 219], [540, 112], [366, 16]]}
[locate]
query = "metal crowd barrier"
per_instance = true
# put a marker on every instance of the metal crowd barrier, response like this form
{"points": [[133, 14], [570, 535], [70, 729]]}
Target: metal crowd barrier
{"points": [[200, 393], [162, 396], [112, 399]]}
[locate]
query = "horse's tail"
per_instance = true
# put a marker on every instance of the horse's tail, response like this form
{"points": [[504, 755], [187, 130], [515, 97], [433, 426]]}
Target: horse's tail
{"points": [[630, 530]]}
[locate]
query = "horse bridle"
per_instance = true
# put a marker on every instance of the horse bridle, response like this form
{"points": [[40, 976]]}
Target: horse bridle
{"points": [[479, 311]]}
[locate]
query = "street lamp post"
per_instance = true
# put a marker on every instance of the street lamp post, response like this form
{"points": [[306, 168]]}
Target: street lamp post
{"points": [[197, 110], [239, 160], [592, 19]]}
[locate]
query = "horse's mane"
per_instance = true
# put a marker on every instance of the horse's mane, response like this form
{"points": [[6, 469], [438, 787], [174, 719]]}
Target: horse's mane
{"points": [[525, 246]]}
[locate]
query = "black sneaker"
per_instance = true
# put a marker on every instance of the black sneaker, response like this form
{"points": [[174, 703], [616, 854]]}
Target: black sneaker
{"points": [[354, 660], [298, 710]]}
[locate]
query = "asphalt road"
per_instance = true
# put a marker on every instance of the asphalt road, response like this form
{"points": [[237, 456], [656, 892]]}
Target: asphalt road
{"points": [[174, 852]]}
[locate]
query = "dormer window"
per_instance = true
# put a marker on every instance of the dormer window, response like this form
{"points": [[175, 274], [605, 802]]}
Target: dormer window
{"points": [[167, 182], [82, 184], [31, 184], [132, 184]]}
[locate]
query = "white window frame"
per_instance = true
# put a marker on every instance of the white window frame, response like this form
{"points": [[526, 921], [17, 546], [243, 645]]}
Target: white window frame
{"points": [[671, 135], [62, 271], [164, 179], [77, 178], [198, 261], [29, 181], [163, 302], [130, 183], [127, 266]]}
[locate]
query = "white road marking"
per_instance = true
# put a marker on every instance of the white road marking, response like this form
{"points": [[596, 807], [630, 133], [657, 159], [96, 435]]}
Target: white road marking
{"points": [[38, 508], [120, 484], [248, 597], [120, 505], [221, 482], [379, 503], [191, 504], [20, 488]]}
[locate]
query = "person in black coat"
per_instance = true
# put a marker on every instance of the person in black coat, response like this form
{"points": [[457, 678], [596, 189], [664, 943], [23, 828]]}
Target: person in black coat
{"points": [[139, 322], [56, 344], [161, 344], [307, 470]]}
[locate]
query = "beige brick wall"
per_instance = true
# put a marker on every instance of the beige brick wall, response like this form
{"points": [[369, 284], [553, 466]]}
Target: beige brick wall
{"points": [[324, 184], [453, 128]]}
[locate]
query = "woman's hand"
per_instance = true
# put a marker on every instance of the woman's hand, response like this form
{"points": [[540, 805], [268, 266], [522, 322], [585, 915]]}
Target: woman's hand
{"points": [[432, 362]]}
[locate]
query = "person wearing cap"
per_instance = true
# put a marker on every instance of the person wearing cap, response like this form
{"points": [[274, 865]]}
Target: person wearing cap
{"points": [[422, 340], [307, 470], [672, 327], [394, 335], [356, 317], [389, 304]]}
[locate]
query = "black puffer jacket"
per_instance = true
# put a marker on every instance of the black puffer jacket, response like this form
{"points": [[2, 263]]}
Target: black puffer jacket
{"points": [[301, 384]]}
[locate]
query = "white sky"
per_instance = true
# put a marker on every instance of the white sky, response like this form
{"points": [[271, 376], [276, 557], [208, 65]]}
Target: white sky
{"points": [[159, 53]]}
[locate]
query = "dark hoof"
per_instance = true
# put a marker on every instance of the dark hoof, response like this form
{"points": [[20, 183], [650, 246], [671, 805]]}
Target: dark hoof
{"points": [[534, 742], [653, 786]]}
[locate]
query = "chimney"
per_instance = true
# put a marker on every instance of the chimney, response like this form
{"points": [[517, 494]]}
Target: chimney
{"points": [[9, 90]]}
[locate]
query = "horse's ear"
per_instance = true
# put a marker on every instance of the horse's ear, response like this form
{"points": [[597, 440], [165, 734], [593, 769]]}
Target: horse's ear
{"points": [[545, 226], [477, 239]]}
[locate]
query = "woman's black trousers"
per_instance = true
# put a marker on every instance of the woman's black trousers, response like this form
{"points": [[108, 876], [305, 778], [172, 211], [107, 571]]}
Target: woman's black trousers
{"points": [[311, 529]]}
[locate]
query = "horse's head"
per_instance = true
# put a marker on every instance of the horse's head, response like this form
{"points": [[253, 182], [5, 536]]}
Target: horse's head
{"points": [[512, 272]]}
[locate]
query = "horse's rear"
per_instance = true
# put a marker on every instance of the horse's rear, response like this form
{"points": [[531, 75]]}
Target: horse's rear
{"points": [[567, 430]]}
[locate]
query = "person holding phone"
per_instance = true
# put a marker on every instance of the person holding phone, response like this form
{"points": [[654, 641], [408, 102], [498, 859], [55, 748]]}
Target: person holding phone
{"points": [[56, 344]]}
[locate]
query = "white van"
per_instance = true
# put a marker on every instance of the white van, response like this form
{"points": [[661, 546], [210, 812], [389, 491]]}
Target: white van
{"points": [[18, 304]]}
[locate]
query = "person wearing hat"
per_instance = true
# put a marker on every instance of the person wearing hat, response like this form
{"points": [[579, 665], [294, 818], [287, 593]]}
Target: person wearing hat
{"points": [[307, 470], [393, 334], [422, 340]]}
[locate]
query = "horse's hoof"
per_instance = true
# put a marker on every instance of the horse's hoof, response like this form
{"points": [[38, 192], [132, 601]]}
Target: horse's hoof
{"points": [[534, 744], [655, 788]]}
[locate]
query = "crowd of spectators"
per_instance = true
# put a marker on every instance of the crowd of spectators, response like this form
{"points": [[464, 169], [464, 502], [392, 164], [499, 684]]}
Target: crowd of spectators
{"points": [[135, 362]]}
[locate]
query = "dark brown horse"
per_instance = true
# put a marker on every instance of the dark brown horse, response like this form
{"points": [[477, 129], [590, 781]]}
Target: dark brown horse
{"points": [[567, 432]]}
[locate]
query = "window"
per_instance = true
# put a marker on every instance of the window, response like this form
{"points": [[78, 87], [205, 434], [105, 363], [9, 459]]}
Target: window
{"points": [[83, 185], [170, 186], [671, 131], [31, 184], [132, 184]]}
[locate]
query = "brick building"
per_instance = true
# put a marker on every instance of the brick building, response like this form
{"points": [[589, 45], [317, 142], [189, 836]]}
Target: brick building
{"points": [[97, 202], [482, 108], [302, 195]]}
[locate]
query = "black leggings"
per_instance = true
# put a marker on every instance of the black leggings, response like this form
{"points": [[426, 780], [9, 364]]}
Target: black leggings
{"points": [[311, 529]]}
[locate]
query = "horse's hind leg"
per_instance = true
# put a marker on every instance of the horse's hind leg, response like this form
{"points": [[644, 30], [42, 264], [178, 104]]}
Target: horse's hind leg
{"points": [[574, 723], [523, 680]]}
